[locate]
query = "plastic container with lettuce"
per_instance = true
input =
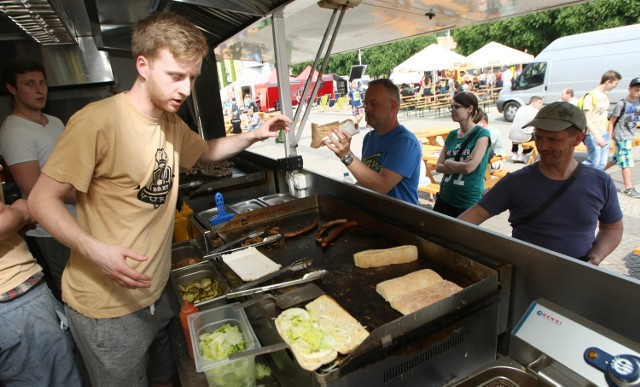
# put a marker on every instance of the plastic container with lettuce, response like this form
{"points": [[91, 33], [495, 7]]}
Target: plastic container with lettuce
{"points": [[218, 333]]}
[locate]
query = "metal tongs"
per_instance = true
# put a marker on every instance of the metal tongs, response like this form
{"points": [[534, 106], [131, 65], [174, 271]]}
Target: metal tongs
{"points": [[226, 246], [296, 266], [267, 240], [309, 277]]}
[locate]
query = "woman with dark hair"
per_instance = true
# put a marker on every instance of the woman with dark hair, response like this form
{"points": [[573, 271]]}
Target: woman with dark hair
{"points": [[463, 159]]}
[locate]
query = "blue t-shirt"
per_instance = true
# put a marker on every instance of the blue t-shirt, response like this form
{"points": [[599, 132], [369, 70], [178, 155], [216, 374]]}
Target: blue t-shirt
{"points": [[398, 151], [355, 97], [568, 226]]}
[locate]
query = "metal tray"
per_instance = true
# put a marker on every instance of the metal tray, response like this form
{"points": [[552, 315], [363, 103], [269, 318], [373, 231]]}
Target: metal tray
{"points": [[204, 216], [246, 206], [185, 250], [272, 200], [194, 273]]}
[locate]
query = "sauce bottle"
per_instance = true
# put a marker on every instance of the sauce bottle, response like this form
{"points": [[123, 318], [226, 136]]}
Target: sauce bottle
{"points": [[187, 213], [180, 232], [187, 309]]}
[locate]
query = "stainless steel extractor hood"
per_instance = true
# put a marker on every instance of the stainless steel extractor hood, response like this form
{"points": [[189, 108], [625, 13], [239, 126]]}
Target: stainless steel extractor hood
{"points": [[43, 20]]}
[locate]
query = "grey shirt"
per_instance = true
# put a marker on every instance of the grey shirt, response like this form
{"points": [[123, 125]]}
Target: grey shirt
{"points": [[625, 128]]}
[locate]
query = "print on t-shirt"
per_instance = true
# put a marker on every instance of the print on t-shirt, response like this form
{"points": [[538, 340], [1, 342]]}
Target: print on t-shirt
{"points": [[161, 180], [373, 161]]}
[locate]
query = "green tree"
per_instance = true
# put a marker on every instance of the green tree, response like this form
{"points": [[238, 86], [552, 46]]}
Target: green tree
{"points": [[533, 32]]}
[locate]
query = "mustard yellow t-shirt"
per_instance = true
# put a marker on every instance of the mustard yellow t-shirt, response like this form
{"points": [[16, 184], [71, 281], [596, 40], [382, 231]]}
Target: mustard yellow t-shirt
{"points": [[16, 262], [124, 166]]}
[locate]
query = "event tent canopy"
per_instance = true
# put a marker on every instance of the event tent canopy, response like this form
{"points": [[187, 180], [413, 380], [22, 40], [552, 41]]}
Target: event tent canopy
{"points": [[495, 54], [431, 58]]}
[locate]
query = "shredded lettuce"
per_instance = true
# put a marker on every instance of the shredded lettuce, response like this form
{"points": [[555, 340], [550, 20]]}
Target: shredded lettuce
{"points": [[262, 371], [223, 342], [304, 331]]}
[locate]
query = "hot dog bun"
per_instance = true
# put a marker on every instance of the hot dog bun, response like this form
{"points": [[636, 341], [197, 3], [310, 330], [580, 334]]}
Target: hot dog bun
{"points": [[384, 257]]}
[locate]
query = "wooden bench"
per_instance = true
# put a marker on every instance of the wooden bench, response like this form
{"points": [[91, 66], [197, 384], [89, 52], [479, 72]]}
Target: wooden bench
{"points": [[431, 188]]}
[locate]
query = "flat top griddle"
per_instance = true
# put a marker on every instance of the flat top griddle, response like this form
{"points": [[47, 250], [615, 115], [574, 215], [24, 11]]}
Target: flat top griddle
{"points": [[352, 287]]}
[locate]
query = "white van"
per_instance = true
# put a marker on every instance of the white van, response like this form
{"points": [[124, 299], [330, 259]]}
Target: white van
{"points": [[576, 61]]}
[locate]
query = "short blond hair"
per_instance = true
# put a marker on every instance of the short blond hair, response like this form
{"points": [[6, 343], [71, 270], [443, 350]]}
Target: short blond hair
{"points": [[168, 30]]}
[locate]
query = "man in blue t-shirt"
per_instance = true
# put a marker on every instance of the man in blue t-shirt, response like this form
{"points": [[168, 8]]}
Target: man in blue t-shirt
{"points": [[391, 154], [568, 225]]}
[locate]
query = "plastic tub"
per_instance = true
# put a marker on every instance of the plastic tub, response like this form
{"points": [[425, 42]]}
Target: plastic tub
{"points": [[240, 372]]}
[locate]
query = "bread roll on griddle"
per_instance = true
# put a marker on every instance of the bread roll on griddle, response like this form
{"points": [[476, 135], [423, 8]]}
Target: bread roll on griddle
{"points": [[384, 257], [410, 302], [413, 281]]}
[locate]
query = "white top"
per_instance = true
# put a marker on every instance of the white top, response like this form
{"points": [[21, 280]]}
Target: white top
{"points": [[22, 140], [524, 115]]}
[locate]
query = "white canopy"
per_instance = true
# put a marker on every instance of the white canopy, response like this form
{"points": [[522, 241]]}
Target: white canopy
{"points": [[431, 58], [405, 77], [496, 54]]}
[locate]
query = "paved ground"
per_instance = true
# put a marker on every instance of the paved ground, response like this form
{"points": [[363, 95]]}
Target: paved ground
{"points": [[323, 161]]}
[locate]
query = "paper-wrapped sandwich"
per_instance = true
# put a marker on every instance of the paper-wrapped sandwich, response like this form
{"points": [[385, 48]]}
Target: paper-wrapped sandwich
{"points": [[319, 133]]}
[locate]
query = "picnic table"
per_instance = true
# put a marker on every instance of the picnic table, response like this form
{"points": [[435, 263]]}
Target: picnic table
{"points": [[433, 136]]}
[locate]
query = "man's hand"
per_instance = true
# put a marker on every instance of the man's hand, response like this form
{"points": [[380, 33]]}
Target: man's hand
{"points": [[600, 141], [112, 261], [271, 127], [339, 142]]}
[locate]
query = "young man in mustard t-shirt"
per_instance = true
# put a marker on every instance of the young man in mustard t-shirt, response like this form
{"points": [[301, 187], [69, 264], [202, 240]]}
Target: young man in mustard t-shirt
{"points": [[122, 156]]}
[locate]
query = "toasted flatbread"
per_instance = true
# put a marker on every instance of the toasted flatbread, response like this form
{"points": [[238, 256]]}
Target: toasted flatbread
{"points": [[410, 302], [420, 279], [338, 323], [343, 332]]}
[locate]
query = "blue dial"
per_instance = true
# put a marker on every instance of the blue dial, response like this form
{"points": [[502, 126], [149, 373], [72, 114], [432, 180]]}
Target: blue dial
{"points": [[625, 368]]}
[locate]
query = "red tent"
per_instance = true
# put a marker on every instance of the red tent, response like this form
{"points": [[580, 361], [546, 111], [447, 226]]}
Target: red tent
{"points": [[326, 86], [269, 93]]}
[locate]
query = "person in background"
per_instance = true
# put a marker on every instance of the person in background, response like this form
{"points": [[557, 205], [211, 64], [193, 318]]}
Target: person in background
{"points": [[520, 132], [122, 155], [234, 106], [236, 123], [623, 123], [463, 159], [569, 224], [247, 102], [254, 120], [507, 77], [355, 100], [567, 96], [391, 154], [36, 348], [227, 107], [595, 104], [497, 146], [27, 138]]}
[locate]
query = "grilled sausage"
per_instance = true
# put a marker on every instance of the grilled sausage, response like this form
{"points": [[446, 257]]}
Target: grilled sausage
{"points": [[326, 241], [302, 231], [326, 226]]}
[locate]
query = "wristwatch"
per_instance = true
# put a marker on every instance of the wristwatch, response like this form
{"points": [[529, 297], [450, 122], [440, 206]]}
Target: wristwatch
{"points": [[348, 159]]}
